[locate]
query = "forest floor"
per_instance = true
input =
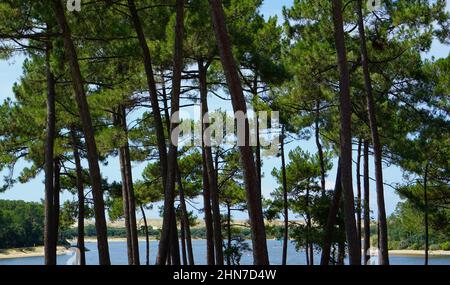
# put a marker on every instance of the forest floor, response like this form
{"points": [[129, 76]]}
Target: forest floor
{"points": [[28, 252]]}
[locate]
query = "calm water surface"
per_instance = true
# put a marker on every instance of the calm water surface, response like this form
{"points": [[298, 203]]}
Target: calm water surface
{"points": [[119, 255]]}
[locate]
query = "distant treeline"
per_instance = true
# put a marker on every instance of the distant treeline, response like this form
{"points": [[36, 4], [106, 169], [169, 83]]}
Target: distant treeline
{"points": [[21, 224]]}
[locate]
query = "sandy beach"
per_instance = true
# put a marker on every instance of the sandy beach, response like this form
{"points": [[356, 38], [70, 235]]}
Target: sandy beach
{"points": [[28, 252]]}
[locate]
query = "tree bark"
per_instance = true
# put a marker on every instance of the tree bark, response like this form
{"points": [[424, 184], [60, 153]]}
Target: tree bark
{"points": [[92, 155], [183, 241], [239, 105], [384, 250], [346, 136], [366, 204], [332, 218], [210, 252], [49, 230], [320, 149], [359, 193], [125, 204], [285, 199], [229, 244], [309, 245], [185, 219], [81, 200], [56, 198], [214, 190], [147, 238]]}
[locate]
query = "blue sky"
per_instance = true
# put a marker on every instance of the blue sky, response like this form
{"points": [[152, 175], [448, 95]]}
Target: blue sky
{"points": [[11, 70]]}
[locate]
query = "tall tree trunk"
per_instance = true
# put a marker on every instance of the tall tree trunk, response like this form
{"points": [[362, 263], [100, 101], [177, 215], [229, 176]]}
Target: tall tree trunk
{"points": [[125, 204], [359, 193], [366, 204], [427, 234], [185, 219], [239, 105], [346, 136], [183, 241], [206, 175], [81, 200], [332, 218], [174, 241], [131, 200], [320, 149], [49, 230], [147, 238], [229, 244], [285, 198], [212, 178], [85, 115], [384, 250], [309, 245]]}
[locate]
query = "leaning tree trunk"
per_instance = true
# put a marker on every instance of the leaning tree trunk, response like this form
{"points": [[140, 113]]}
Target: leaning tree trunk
{"points": [[210, 250], [285, 198], [332, 218], [384, 250], [346, 136], [320, 149], [366, 204], [254, 197], [85, 115], [147, 238], [49, 228], [81, 199], [125, 206], [183, 241], [169, 192]]}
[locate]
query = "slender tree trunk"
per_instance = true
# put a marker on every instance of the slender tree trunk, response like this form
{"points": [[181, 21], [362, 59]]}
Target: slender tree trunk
{"points": [[174, 241], [185, 219], [81, 200], [206, 184], [341, 254], [359, 193], [183, 241], [131, 200], [125, 204], [92, 155], [212, 178], [427, 234], [320, 149], [49, 230], [366, 204], [147, 238], [239, 105], [309, 245], [332, 218], [346, 136], [285, 199], [384, 250], [229, 244]]}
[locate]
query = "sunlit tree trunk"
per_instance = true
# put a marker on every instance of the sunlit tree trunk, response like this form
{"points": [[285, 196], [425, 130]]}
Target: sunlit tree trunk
{"points": [[377, 148], [254, 197], [84, 112], [346, 136]]}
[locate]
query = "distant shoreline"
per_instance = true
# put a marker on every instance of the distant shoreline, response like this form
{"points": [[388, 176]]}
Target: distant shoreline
{"points": [[39, 250]]}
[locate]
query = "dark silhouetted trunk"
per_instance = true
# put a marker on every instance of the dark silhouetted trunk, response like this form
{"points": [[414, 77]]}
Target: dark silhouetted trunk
{"points": [[206, 184], [212, 179], [377, 148], [229, 244], [254, 202], [359, 193], [147, 238], [320, 149], [331, 219], [427, 232], [56, 197], [346, 137], [309, 245], [92, 155], [125, 204], [285, 198], [49, 227], [366, 204], [185, 219], [183, 241], [81, 198]]}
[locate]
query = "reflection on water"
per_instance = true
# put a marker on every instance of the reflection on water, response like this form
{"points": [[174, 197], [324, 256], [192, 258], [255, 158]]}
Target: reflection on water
{"points": [[119, 255]]}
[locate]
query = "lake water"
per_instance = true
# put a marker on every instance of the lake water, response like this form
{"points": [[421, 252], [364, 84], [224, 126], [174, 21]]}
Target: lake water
{"points": [[119, 255]]}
